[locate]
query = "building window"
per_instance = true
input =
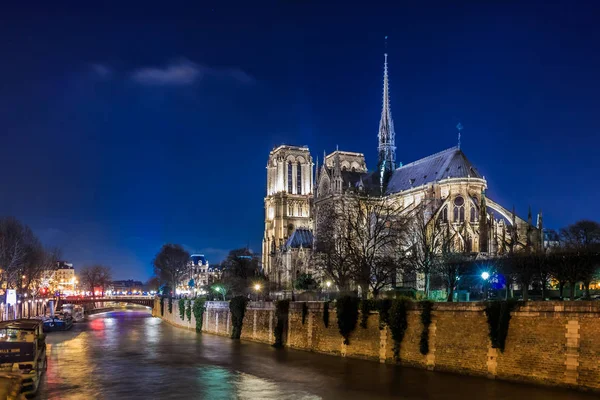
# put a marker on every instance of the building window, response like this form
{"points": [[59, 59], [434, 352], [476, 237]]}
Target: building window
{"points": [[289, 177], [459, 209], [298, 178], [473, 214], [445, 214]]}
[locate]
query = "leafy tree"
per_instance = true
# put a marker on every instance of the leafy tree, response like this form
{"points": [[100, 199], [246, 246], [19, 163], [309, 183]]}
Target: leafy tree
{"points": [[305, 282], [170, 264], [240, 270]]}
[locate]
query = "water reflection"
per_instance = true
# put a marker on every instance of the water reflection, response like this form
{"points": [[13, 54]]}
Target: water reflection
{"points": [[130, 355]]}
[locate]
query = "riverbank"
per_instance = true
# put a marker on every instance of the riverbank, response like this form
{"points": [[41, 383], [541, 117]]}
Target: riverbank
{"points": [[548, 343]]}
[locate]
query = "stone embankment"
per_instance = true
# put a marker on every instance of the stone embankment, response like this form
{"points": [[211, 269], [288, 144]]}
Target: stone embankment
{"points": [[550, 343]]}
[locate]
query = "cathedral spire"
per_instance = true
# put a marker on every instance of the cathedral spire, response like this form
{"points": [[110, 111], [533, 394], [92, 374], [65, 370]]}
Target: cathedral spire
{"points": [[387, 136]]}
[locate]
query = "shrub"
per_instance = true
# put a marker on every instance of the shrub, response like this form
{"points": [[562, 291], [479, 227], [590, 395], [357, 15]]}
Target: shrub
{"points": [[347, 315], [282, 308], [426, 321], [366, 306], [170, 305], [304, 312], [198, 309], [383, 306], [237, 307], [182, 309], [498, 318], [326, 314], [188, 310], [398, 323]]}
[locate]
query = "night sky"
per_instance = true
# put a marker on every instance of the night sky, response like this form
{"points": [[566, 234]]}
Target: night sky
{"points": [[126, 127]]}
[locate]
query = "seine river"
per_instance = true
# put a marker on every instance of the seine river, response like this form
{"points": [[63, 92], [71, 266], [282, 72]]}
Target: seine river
{"points": [[130, 355]]}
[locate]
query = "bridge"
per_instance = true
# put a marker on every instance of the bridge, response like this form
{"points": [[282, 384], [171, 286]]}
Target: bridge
{"points": [[147, 301]]}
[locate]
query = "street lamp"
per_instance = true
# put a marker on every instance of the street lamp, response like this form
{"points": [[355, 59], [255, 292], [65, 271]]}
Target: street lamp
{"points": [[328, 284], [257, 288], [485, 276]]}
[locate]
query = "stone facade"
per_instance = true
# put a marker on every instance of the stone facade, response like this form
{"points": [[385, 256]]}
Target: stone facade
{"points": [[550, 343], [445, 186]]}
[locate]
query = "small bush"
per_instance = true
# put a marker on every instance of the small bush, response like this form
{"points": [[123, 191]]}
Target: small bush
{"points": [[366, 306], [398, 323], [426, 321], [282, 308], [383, 306], [170, 305], [498, 318], [347, 315], [326, 314], [198, 309], [304, 312], [182, 309], [188, 310], [237, 307]]}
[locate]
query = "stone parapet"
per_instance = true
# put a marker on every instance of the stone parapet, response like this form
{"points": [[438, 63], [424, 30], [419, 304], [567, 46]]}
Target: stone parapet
{"points": [[550, 343]]}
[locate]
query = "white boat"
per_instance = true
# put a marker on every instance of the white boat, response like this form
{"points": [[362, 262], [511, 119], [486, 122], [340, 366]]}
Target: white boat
{"points": [[76, 311]]}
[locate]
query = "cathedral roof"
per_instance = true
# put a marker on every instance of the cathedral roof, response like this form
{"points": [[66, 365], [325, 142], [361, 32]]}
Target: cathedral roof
{"points": [[301, 237], [448, 163]]}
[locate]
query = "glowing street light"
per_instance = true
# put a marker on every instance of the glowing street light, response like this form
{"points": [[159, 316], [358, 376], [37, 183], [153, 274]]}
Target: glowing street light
{"points": [[485, 276], [328, 284], [257, 289]]}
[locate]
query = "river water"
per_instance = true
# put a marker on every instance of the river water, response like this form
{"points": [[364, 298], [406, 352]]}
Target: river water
{"points": [[130, 355]]}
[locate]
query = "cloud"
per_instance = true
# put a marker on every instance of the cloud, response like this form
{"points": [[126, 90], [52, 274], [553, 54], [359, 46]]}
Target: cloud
{"points": [[176, 74], [185, 72], [102, 70]]}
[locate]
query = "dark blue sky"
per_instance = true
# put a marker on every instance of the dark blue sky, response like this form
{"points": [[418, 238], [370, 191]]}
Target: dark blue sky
{"points": [[126, 127]]}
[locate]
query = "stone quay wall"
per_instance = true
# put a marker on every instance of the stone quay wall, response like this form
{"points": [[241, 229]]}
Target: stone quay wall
{"points": [[550, 343]]}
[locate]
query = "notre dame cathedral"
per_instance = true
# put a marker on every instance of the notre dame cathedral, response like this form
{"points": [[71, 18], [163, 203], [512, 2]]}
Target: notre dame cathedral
{"points": [[295, 188]]}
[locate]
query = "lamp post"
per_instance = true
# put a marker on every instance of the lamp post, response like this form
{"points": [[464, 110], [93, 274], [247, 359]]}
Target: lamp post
{"points": [[257, 289], [485, 276], [328, 284]]}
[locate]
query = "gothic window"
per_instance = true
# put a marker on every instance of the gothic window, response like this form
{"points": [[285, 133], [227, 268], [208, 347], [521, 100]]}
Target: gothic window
{"points": [[289, 177], [290, 210], [445, 214], [298, 178], [473, 214], [459, 209]]}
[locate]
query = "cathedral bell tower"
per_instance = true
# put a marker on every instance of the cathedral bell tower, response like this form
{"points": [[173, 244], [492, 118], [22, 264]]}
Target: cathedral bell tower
{"points": [[288, 200]]}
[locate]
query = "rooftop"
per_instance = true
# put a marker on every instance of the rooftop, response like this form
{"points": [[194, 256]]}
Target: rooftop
{"points": [[450, 163]]}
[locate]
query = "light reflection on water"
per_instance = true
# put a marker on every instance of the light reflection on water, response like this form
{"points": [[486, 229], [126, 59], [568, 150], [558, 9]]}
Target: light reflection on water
{"points": [[130, 355]]}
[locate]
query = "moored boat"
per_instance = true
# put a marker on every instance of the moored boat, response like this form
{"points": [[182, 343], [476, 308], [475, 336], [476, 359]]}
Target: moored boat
{"points": [[23, 352], [76, 311], [59, 322]]}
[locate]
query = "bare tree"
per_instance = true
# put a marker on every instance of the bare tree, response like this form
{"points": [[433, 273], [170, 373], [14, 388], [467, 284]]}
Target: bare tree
{"points": [[330, 247], [170, 264], [88, 277], [376, 231], [427, 240], [23, 259], [582, 241]]}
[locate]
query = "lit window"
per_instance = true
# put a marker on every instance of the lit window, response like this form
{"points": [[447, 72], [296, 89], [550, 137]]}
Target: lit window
{"points": [[290, 178], [459, 209], [298, 178]]}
